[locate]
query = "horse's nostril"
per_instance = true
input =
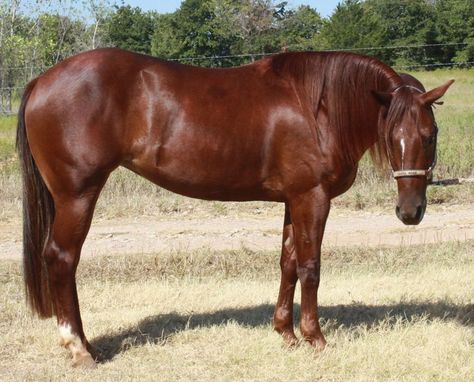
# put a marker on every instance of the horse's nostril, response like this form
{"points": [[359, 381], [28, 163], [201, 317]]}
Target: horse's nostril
{"points": [[419, 213]]}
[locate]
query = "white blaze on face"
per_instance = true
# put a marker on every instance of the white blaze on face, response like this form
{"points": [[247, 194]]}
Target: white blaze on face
{"points": [[402, 143]]}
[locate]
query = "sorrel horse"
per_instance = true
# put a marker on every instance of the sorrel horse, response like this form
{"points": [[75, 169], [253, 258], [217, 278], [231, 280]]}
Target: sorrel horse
{"points": [[290, 128]]}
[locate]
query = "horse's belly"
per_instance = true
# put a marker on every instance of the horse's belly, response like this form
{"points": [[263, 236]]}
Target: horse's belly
{"points": [[207, 177], [211, 190]]}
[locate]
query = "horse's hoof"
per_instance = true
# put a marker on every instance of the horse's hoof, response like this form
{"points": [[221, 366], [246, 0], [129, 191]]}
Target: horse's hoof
{"points": [[318, 343], [96, 354], [290, 340], [84, 361]]}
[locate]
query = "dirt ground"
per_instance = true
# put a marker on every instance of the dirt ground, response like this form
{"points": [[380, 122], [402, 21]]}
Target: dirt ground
{"points": [[344, 228]]}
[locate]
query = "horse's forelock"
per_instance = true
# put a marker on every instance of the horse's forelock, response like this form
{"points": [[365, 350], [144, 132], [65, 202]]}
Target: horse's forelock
{"points": [[400, 105]]}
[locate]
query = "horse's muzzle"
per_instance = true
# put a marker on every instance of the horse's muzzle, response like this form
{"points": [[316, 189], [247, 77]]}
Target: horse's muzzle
{"points": [[411, 215]]}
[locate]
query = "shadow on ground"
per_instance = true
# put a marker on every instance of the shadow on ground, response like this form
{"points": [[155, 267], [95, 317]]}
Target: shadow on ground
{"points": [[157, 329]]}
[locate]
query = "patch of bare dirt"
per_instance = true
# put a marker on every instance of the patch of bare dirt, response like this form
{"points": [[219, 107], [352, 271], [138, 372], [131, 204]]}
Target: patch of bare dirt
{"points": [[344, 228]]}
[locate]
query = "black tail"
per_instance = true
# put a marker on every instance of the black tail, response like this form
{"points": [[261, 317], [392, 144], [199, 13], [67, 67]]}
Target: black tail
{"points": [[38, 214]]}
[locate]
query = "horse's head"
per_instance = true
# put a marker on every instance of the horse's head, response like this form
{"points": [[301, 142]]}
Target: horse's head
{"points": [[410, 133]]}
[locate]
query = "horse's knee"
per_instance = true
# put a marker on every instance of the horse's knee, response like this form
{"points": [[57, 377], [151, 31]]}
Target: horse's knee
{"points": [[58, 259], [308, 273]]}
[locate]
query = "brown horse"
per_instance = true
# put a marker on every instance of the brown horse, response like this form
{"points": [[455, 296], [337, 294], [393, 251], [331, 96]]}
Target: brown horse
{"points": [[290, 128]]}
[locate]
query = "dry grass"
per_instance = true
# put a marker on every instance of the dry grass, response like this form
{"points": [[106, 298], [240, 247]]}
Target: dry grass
{"points": [[400, 314]]}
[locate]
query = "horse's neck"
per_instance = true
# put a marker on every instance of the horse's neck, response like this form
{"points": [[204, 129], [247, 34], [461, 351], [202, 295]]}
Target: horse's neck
{"points": [[342, 84], [369, 130]]}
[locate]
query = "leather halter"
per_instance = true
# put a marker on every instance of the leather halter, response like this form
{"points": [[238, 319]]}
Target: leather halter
{"points": [[410, 173], [407, 173]]}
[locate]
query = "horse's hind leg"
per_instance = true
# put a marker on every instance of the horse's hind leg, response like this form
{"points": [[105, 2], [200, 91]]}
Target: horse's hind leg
{"points": [[283, 317], [73, 215]]}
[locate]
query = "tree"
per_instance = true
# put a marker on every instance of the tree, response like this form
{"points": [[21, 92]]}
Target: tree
{"points": [[200, 29], [352, 25], [58, 37], [455, 24], [164, 42], [131, 28], [301, 29], [211, 28], [405, 23], [100, 10], [258, 25], [14, 49]]}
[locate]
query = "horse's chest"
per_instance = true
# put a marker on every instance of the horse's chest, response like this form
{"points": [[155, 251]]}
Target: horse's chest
{"points": [[340, 179]]}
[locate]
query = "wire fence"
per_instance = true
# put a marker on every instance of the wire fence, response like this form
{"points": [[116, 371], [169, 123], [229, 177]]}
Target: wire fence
{"points": [[14, 79], [355, 49]]}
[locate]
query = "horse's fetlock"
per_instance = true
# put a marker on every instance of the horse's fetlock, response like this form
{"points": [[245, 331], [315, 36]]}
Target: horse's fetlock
{"points": [[309, 327]]}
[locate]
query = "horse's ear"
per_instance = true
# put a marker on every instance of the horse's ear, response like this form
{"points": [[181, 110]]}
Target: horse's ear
{"points": [[432, 96], [383, 98]]}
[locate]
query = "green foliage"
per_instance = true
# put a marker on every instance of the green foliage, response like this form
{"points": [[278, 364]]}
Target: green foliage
{"points": [[8, 161], [211, 28], [301, 29], [58, 37], [131, 28], [455, 23], [353, 25], [243, 29], [259, 24], [197, 29], [402, 23], [406, 22], [164, 41]]}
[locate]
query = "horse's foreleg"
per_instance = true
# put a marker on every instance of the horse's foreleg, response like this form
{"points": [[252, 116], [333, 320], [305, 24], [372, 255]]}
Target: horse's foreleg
{"points": [[309, 213], [72, 220], [283, 317]]}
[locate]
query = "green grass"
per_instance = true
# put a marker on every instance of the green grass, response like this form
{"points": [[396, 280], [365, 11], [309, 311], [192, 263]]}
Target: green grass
{"points": [[397, 314], [128, 195], [7, 142]]}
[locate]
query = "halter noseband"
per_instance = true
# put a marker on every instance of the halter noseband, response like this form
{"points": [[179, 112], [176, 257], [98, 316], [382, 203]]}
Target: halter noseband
{"points": [[409, 173]]}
